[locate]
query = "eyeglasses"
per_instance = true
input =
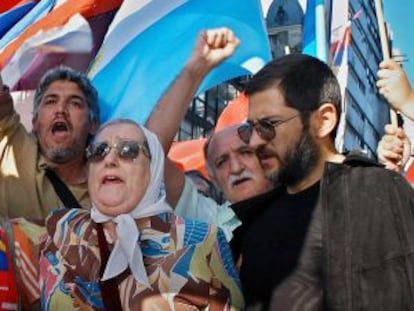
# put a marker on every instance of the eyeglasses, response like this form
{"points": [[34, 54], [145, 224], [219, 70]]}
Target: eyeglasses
{"points": [[126, 150], [265, 128]]}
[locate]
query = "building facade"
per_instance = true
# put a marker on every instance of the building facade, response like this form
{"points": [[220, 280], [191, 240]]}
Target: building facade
{"points": [[367, 112]]}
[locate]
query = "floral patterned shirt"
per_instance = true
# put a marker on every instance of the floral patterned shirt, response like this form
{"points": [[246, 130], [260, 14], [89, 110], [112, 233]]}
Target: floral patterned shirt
{"points": [[188, 263]]}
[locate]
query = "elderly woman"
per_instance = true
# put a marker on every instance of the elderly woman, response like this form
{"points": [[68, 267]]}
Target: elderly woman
{"points": [[130, 252]]}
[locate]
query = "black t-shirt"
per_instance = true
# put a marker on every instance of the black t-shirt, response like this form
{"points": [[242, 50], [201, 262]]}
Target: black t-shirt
{"points": [[271, 240]]}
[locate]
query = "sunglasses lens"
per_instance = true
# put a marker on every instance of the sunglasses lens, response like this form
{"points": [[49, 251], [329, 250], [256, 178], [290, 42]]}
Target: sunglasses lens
{"points": [[97, 152], [128, 150], [245, 132], [265, 129]]}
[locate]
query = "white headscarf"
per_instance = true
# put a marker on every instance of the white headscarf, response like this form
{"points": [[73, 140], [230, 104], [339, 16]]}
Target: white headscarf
{"points": [[126, 251]]}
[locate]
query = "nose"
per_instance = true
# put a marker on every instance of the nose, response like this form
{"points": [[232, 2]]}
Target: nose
{"points": [[61, 107], [236, 166], [256, 141], [111, 159]]}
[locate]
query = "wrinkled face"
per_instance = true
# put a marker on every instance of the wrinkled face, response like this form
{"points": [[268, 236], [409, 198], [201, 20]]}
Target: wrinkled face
{"points": [[235, 167], [292, 153], [116, 185], [62, 124]]}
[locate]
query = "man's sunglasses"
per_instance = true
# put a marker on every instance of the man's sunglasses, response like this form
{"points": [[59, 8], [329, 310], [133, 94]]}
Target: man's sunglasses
{"points": [[126, 150], [265, 128]]}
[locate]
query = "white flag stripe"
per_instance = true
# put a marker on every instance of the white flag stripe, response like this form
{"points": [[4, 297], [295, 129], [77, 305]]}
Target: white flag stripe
{"points": [[75, 36], [29, 277], [132, 18]]}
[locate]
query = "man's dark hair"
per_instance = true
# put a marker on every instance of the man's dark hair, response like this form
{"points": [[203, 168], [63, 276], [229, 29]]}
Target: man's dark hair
{"points": [[305, 81], [64, 73]]}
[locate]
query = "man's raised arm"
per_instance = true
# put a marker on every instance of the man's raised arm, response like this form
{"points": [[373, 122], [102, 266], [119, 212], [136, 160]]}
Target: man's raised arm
{"points": [[211, 49]]}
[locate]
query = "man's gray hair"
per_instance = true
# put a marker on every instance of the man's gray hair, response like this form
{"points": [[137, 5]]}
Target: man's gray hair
{"points": [[64, 73]]}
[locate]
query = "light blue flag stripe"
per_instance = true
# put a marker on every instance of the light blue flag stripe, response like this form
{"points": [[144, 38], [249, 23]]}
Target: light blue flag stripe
{"points": [[39, 10], [12, 16], [315, 36], [130, 85]]}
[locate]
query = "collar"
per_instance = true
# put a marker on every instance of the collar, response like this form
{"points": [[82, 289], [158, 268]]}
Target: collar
{"points": [[247, 210], [357, 158]]}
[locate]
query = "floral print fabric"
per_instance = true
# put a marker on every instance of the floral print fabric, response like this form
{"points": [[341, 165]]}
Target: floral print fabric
{"points": [[188, 263]]}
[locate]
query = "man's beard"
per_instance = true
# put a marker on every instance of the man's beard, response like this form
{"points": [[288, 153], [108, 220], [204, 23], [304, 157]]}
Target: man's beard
{"points": [[299, 162], [60, 155]]}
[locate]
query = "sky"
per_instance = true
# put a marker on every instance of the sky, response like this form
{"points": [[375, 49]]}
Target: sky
{"points": [[400, 15]]}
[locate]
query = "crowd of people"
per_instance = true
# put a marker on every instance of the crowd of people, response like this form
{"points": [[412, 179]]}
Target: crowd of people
{"points": [[301, 226]]}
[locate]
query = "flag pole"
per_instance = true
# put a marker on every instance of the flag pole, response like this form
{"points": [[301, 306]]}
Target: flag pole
{"points": [[384, 47]]}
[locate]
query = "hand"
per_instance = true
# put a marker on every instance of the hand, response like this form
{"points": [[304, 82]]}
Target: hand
{"points": [[393, 84], [213, 46], [394, 148]]}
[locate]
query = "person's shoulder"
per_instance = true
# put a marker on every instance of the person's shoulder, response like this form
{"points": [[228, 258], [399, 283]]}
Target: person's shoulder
{"points": [[356, 158], [68, 214], [195, 231], [356, 162], [366, 173], [65, 221], [360, 162]]}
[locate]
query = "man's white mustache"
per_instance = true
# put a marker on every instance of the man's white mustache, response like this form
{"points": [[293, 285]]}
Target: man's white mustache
{"points": [[235, 178]]}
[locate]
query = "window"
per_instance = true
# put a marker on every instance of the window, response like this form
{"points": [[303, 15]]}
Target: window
{"points": [[204, 110], [357, 79]]}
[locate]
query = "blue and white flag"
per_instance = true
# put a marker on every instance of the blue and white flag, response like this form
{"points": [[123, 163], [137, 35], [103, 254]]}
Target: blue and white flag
{"points": [[73, 37], [148, 44], [37, 12], [12, 16], [316, 30]]}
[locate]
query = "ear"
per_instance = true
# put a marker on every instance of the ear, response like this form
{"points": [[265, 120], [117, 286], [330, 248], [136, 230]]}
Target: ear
{"points": [[34, 124], [210, 173], [327, 120]]}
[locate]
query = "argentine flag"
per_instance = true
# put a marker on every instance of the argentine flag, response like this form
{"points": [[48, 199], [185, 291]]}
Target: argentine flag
{"points": [[149, 42]]}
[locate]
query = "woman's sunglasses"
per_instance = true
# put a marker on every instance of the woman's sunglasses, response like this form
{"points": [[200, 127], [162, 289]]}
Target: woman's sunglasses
{"points": [[126, 150]]}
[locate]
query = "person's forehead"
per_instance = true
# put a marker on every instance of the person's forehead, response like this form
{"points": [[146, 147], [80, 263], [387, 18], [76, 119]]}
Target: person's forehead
{"points": [[269, 102], [63, 86], [226, 141], [121, 131]]}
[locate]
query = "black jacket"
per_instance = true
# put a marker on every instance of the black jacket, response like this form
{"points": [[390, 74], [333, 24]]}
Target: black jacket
{"points": [[366, 215], [368, 237]]}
